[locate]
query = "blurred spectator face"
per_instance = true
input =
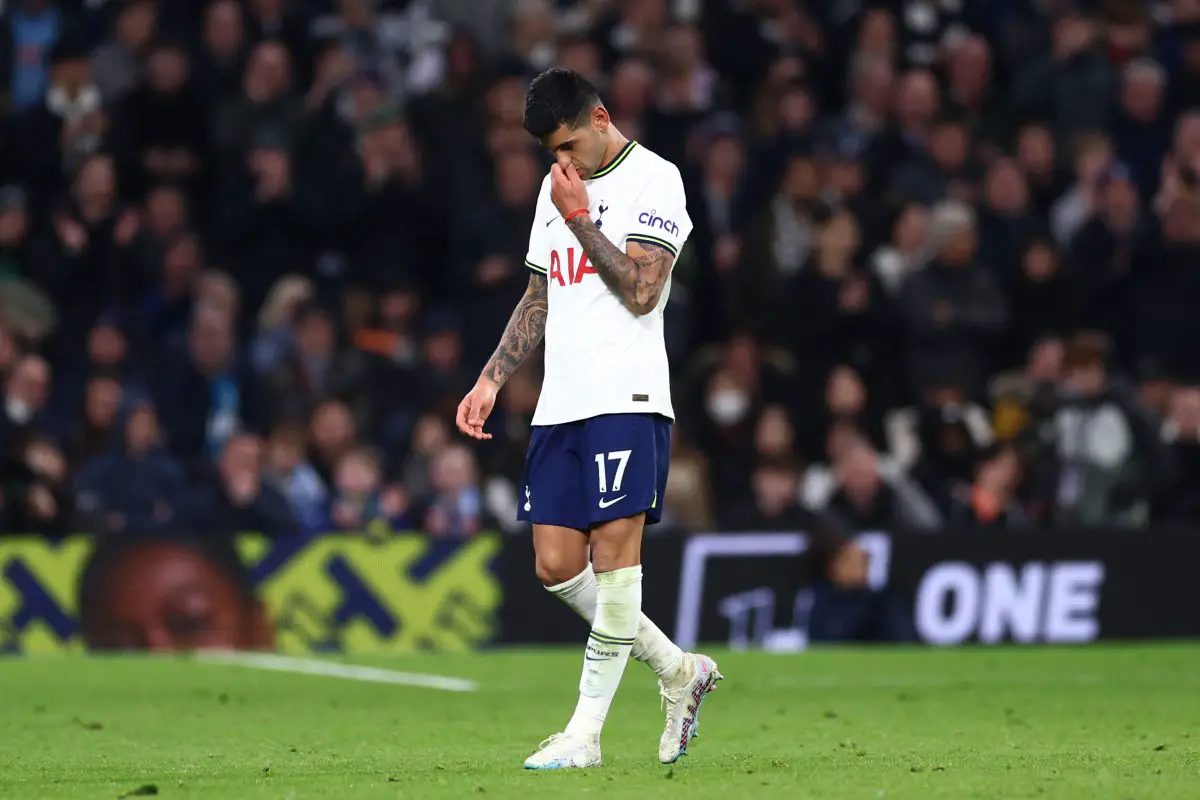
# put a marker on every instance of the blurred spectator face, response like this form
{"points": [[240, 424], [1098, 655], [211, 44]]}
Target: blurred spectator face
{"points": [[452, 470], [332, 428], [96, 184], [683, 50], [774, 435], [181, 265], [211, 341], [741, 359], [533, 23], [841, 437], [285, 451], [106, 345], [241, 459], [166, 211], [517, 179], [101, 402], [1094, 157], [269, 73], [877, 34], [644, 15], [267, 9], [1005, 188], [845, 395], [796, 109], [444, 350], [911, 228], [431, 434], [8, 351], [1086, 373], [46, 460], [315, 335], [224, 30], [1184, 412], [775, 487], [1040, 262], [141, 430], [970, 68], [462, 57], [724, 160], [839, 239], [29, 384], [1035, 149], [959, 250], [857, 471], [506, 103], [917, 100], [357, 14], [167, 70], [136, 24], [398, 310], [801, 180], [71, 75], [217, 291], [1120, 201], [873, 85], [272, 165], [949, 147], [357, 474], [845, 176], [632, 87], [726, 401], [14, 224], [580, 54], [523, 391], [1187, 138], [1045, 362], [1142, 90]]}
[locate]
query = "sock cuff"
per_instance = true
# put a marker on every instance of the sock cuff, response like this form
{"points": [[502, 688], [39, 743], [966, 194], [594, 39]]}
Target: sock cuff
{"points": [[626, 576], [569, 587]]}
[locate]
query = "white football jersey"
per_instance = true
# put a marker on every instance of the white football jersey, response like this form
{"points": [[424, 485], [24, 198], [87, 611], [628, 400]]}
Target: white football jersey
{"points": [[601, 358]]}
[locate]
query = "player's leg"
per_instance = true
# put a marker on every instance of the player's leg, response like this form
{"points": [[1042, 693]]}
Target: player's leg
{"points": [[565, 569]]}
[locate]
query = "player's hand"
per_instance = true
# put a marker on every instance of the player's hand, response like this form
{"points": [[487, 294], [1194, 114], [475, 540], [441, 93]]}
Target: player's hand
{"points": [[567, 189], [474, 409]]}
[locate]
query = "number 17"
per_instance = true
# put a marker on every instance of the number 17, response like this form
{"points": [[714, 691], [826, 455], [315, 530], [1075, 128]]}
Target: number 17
{"points": [[622, 459]]}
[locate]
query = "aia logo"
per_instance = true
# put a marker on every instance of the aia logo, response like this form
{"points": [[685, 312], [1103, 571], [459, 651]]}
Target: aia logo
{"points": [[575, 271]]}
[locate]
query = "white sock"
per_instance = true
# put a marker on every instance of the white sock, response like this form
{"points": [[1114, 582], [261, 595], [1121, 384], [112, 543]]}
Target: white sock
{"points": [[618, 606], [652, 646]]}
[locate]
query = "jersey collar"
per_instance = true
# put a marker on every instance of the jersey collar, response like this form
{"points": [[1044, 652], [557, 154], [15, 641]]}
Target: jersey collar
{"points": [[616, 162]]}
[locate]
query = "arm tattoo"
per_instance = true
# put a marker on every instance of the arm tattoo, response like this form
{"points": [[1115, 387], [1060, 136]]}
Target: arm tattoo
{"points": [[523, 334], [639, 281]]}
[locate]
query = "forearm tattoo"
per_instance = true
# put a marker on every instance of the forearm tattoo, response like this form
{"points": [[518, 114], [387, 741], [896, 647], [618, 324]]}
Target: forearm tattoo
{"points": [[638, 282], [523, 334]]}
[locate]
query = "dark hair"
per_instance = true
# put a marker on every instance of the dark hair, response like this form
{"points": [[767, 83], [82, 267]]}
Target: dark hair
{"points": [[558, 97]]}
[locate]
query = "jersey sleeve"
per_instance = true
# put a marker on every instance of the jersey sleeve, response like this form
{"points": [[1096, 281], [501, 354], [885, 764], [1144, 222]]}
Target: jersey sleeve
{"points": [[538, 254], [660, 215]]}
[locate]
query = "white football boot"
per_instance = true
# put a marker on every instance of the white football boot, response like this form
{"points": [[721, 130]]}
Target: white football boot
{"points": [[564, 751], [682, 695]]}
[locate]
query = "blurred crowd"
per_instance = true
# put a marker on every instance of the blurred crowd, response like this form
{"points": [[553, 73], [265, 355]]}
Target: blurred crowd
{"points": [[945, 268]]}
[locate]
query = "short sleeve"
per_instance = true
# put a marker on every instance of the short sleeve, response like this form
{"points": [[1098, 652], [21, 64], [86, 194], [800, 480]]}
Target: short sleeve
{"points": [[538, 254], [660, 214]]}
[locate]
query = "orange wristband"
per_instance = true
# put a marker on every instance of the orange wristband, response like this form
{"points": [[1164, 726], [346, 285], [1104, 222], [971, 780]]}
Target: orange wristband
{"points": [[575, 214]]}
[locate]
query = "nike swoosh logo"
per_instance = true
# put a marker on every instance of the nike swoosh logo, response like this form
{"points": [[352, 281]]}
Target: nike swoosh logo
{"points": [[551, 222], [607, 503]]}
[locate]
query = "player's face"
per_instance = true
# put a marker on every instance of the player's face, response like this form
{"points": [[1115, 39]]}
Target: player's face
{"points": [[582, 147], [165, 597]]}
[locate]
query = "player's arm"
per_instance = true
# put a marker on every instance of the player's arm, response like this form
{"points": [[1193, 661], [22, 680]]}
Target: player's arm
{"points": [[637, 276], [523, 334]]}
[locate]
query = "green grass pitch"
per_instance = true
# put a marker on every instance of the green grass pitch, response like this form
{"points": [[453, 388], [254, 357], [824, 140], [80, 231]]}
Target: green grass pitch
{"points": [[1097, 723]]}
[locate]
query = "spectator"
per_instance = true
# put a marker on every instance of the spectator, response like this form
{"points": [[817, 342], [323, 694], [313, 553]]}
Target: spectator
{"points": [[453, 508], [360, 501], [33, 486], [207, 393], [236, 499], [953, 311], [775, 485], [222, 56], [288, 470], [332, 434], [1181, 432], [136, 487], [1111, 461], [992, 500], [31, 28], [96, 426], [117, 63], [864, 498], [26, 392]]}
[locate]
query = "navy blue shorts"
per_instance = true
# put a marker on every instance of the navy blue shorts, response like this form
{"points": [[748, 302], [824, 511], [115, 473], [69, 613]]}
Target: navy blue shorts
{"points": [[585, 473]]}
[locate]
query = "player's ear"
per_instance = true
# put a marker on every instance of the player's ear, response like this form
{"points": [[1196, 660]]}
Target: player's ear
{"points": [[600, 119]]}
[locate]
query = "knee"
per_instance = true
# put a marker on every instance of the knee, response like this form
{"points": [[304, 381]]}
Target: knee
{"points": [[558, 567]]}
